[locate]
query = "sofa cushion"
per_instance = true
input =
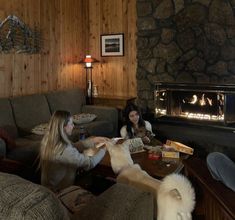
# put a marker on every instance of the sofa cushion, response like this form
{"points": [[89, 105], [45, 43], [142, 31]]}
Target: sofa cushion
{"points": [[21, 199], [26, 150], [8, 138], [104, 113], [6, 117], [94, 128], [99, 128], [30, 111], [70, 100], [3, 148], [83, 118], [40, 129], [118, 202]]}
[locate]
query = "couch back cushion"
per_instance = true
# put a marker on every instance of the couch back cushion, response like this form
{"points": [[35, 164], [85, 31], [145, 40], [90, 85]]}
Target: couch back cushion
{"points": [[6, 117], [7, 120], [21, 199], [30, 110], [70, 100]]}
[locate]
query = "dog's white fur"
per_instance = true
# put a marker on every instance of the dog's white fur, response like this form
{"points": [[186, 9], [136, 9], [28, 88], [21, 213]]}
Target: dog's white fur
{"points": [[174, 196], [120, 156]]}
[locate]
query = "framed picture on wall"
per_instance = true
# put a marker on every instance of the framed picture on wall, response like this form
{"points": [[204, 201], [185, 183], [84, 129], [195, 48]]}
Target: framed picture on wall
{"points": [[112, 45]]}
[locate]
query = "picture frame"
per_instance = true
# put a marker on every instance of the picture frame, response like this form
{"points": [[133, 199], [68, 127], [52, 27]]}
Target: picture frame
{"points": [[112, 45]]}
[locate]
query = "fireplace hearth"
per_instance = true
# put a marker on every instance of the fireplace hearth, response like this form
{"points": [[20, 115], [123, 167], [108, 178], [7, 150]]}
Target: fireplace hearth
{"points": [[197, 103]]}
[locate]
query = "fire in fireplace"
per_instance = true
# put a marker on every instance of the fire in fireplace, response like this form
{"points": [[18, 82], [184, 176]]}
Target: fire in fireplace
{"points": [[196, 102]]}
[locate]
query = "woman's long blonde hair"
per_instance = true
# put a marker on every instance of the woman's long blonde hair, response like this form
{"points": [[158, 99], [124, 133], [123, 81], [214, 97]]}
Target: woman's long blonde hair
{"points": [[55, 139]]}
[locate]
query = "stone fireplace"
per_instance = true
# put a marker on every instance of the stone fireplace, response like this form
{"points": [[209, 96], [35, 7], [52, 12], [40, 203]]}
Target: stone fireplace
{"points": [[184, 42]]}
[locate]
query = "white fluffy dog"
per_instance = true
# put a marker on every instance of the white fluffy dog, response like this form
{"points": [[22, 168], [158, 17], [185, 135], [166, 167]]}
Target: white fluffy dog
{"points": [[174, 196]]}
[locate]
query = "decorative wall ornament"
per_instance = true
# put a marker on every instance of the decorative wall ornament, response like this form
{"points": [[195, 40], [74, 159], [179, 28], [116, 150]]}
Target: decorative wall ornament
{"points": [[16, 36]]}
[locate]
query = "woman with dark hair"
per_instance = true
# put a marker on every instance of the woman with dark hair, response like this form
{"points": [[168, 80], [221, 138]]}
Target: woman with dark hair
{"points": [[59, 158], [135, 125]]}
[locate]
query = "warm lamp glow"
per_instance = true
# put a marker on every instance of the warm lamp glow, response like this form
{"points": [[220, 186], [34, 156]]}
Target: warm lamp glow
{"points": [[88, 60]]}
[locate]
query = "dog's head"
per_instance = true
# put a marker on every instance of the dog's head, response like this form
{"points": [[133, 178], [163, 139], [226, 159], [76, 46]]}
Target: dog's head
{"points": [[119, 155]]}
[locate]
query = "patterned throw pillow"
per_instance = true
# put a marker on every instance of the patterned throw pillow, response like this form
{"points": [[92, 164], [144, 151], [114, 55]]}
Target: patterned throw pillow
{"points": [[84, 118], [40, 129]]}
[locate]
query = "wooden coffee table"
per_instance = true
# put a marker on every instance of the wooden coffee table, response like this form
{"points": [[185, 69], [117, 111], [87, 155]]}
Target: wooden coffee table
{"points": [[155, 168]]}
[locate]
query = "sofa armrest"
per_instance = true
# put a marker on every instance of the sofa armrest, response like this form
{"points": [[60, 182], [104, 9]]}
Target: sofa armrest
{"points": [[119, 202], [21, 199], [11, 166], [103, 113], [3, 148]]}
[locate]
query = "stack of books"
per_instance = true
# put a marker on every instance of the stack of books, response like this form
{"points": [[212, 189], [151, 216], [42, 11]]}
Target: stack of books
{"points": [[170, 153], [172, 149], [180, 147]]}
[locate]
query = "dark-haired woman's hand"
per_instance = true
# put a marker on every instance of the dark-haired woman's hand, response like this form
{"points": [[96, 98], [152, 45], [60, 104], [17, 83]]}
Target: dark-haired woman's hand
{"points": [[145, 140]]}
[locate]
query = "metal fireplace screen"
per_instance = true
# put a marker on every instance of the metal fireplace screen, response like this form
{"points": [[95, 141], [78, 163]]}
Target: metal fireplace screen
{"points": [[196, 102]]}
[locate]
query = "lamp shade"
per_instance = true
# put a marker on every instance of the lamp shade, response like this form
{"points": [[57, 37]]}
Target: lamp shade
{"points": [[88, 60]]}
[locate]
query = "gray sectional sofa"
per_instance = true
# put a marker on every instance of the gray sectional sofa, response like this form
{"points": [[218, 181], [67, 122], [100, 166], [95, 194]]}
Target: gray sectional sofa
{"points": [[19, 115]]}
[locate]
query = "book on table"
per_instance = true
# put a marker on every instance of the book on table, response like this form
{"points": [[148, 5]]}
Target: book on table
{"points": [[180, 147]]}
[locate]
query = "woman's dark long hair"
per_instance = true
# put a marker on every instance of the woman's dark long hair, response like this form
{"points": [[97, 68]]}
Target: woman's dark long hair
{"points": [[141, 123]]}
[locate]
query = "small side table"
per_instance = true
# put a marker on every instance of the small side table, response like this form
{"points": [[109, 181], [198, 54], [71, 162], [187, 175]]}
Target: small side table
{"points": [[119, 102]]}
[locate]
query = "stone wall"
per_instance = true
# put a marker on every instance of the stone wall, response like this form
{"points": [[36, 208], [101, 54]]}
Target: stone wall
{"points": [[191, 41]]}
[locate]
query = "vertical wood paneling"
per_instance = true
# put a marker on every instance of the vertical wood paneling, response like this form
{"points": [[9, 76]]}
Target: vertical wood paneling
{"points": [[115, 75], [70, 29]]}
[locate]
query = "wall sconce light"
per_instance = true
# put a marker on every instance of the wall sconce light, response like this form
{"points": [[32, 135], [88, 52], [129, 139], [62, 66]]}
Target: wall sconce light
{"points": [[88, 62]]}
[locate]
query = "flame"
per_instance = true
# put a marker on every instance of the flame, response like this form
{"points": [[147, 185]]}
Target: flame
{"points": [[160, 111], [194, 99], [191, 115], [201, 116], [201, 101]]}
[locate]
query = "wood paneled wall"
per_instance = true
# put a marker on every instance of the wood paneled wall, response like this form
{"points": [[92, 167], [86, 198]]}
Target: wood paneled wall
{"points": [[115, 75], [70, 29]]}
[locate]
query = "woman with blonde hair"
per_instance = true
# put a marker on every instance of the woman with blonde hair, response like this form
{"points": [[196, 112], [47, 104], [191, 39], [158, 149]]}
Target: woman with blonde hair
{"points": [[59, 158]]}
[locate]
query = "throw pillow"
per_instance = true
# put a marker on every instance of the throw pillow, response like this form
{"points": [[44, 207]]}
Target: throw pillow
{"points": [[83, 118], [40, 129]]}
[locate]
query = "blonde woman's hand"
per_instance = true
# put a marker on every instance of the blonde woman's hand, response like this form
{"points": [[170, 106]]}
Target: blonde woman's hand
{"points": [[91, 151]]}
